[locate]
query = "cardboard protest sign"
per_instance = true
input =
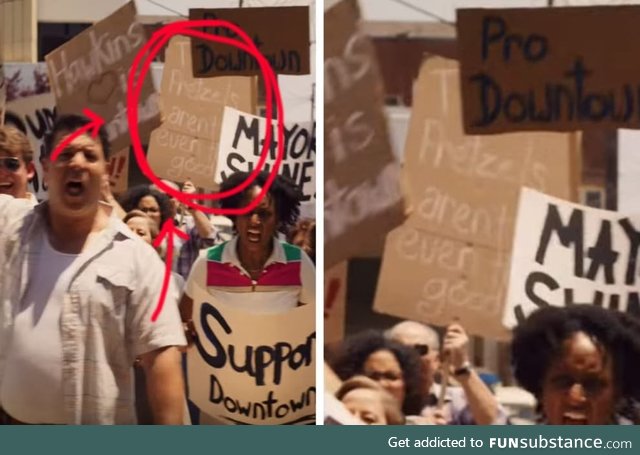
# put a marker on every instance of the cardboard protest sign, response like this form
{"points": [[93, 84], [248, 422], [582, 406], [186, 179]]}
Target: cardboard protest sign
{"points": [[179, 157], [34, 116], [251, 368], [91, 70], [3, 94], [241, 141], [549, 68], [195, 106], [450, 258], [335, 297], [185, 147], [119, 171], [281, 34], [467, 187], [363, 198], [565, 254]]}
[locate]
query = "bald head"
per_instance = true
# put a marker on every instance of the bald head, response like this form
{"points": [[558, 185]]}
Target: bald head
{"points": [[411, 333], [417, 335]]}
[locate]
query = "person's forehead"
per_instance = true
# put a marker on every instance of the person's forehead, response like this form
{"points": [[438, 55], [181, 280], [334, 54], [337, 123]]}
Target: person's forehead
{"points": [[363, 396], [382, 359], [148, 199], [80, 141], [582, 352], [410, 335]]}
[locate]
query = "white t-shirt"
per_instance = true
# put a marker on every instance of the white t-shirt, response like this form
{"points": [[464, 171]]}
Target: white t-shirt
{"points": [[32, 385]]}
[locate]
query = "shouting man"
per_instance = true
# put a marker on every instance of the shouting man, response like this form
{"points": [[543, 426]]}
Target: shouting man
{"points": [[77, 292]]}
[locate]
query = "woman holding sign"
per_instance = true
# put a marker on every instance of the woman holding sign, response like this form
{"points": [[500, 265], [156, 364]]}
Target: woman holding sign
{"points": [[580, 362], [242, 286]]}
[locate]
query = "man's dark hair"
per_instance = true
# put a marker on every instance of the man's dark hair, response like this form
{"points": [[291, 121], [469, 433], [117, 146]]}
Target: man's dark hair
{"points": [[538, 341], [285, 193], [357, 349], [68, 123]]}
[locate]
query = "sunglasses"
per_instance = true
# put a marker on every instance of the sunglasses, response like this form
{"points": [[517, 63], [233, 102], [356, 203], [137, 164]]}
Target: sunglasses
{"points": [[10, 163], [421, 349]]}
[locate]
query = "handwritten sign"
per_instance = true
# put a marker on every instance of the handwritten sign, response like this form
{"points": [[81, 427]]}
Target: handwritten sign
{"points": [[241, 142], [450, 259], [281, 34], [549, 68], [90, 71], [565, 254], [363, 200], [119, 171], [335, 299], [185, 147], [34, 116], [3, 94], [250, 368]]}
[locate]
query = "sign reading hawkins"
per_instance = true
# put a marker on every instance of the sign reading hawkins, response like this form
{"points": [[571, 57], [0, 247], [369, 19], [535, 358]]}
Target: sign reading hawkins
{"points": [[557, 69]]}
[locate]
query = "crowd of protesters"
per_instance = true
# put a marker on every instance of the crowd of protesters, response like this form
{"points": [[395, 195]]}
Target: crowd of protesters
{"points": [[579, 362], [81, 278]]}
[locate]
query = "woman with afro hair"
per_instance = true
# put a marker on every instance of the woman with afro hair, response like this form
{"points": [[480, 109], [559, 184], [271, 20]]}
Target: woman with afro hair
{"points": [[581, 364], [256, 271]]}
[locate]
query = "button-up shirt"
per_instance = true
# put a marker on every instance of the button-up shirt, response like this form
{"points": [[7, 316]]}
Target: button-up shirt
{"points": [[106, 313]]}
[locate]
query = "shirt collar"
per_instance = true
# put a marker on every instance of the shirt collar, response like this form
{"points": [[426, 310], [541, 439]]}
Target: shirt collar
{"points": [[230, 255]]}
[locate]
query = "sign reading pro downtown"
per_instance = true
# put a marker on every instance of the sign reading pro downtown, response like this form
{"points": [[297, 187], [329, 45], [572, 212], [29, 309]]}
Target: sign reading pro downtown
{"points": [[553, 69]]}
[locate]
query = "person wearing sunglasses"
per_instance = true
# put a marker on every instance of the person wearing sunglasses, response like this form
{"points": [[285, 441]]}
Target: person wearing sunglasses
{"points": [[472, 403], [16, 164], [77, 293]]}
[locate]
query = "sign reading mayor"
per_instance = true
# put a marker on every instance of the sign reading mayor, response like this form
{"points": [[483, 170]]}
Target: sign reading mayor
{"points": [[553, 69], [567, 254], [248, 368], [241, 142]]}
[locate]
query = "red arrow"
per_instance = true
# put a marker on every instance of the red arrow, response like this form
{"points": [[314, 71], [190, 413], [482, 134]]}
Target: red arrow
{"points": [[168, 229], [94, 125]]}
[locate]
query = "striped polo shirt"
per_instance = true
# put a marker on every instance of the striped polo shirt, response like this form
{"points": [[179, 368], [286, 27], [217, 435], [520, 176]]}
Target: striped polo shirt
{"points": [[287, 278]]}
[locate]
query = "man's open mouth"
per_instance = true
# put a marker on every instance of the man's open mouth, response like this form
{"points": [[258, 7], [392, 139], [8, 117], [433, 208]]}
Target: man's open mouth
{"points": [[74, 188], [5, 186]]}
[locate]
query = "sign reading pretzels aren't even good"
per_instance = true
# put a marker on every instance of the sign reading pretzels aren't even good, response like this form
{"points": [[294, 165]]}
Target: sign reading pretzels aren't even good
{"points": [[281, 34], [251, 368], [554, 69], [566, 254]]}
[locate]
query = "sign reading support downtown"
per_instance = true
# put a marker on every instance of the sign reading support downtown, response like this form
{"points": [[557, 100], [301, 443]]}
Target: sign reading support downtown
{"points": [[185, 146], [557, 69], [566, 254], [251, 368], [363, 198], [241, 142], [281, 34], [450, 259], [91, 70]]}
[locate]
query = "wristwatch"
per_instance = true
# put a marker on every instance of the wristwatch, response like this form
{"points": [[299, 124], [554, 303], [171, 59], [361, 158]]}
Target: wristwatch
{"points": [[464, 370]]}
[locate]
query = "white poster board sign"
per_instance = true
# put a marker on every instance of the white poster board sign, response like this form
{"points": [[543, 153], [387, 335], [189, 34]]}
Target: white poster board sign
{"points": [[565, 253], [241, 142]]}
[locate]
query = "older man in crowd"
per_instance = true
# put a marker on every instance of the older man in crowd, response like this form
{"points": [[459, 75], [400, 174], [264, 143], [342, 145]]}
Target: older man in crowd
{"points": [[472, 403]]}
